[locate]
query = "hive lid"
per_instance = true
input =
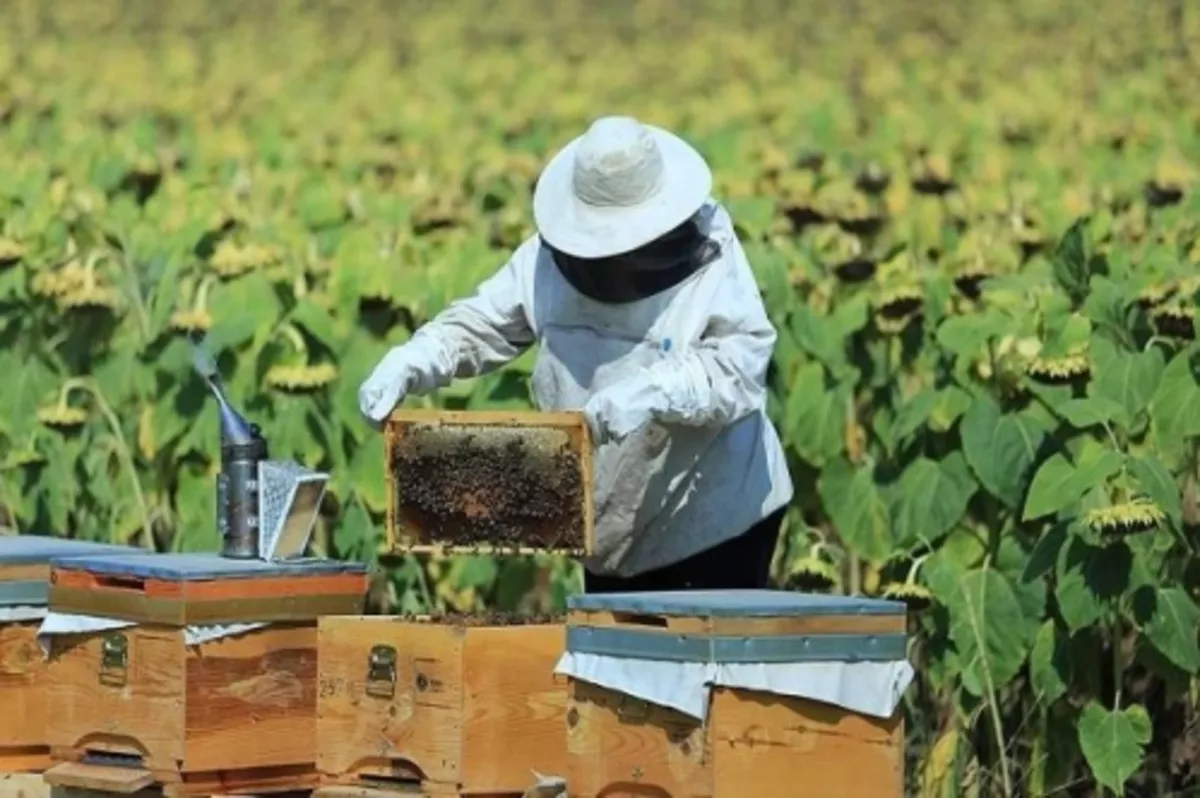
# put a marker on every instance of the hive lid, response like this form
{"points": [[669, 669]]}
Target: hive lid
{"points": [[737, 626], [202, 567], [734, 603], [38, 549], [25, 565], [205, 589]]}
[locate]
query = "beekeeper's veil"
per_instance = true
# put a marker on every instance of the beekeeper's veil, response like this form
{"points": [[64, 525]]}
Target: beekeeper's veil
{"points": [[619, 207]]}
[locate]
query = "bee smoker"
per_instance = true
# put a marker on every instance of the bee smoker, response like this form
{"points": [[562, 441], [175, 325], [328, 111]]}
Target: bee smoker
{"points": [[243, 448]]}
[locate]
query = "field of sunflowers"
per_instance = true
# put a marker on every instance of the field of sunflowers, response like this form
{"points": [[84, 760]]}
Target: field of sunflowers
{"points": [[974, 225]]}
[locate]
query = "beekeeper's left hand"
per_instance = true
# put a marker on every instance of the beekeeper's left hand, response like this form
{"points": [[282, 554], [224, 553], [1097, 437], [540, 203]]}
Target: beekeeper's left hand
{"points": [[387, 386], [616, 412]]}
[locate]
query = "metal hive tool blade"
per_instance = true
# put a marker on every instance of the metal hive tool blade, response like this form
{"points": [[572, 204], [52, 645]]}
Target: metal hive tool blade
{"points": [[289, 498]]}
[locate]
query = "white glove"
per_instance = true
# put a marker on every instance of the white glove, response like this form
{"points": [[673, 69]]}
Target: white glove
{"points": [[387, 386], [618, 411]]}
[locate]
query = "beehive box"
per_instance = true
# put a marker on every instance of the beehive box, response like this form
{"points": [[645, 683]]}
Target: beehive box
{"points": [[499, 482], [24, 585], [222, 704], [641, 720], [454, 706]]}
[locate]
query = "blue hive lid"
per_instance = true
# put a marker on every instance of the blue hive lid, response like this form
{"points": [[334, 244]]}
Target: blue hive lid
{"points": [[202, 567], [734, 604], [38, 549]]}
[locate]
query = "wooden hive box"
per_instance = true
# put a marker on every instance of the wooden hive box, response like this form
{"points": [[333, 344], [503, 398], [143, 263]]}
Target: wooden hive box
{"points": [[453, 706], [641, 720], [481, 482], [210, 686], [24, 585]]}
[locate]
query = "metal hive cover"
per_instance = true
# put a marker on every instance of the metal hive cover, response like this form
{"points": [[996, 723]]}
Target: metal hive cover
{"points": [[35, 549], [734, 603], [202, 567]]}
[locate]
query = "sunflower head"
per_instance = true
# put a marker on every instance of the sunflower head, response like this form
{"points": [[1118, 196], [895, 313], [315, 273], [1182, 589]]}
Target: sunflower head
{"points": [[1062, 370], [11, 252], [302, 379], [1128, 518], [811, 574], [62, 417], [1174, 321], [191, 321], [90, 297], [916, 597]]}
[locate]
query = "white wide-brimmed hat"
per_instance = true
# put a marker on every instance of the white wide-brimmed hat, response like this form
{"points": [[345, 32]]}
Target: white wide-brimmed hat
{"points": [[620, 185]]}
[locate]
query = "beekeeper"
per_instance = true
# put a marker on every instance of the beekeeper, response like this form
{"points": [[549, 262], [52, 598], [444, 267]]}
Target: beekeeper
{"points": [[649, 320]]}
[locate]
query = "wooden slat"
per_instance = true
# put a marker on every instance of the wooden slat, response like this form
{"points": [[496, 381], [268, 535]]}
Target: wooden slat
{"points": [[214, 589], [435, 549], [133, 606], [25, 572]]}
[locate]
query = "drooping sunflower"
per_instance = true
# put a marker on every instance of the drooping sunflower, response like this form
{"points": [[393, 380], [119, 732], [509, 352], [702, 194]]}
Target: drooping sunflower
{"points": [[917, 598], [1127, 518], [301, 379], [62, 417], [1061, 370], [811, 574]]}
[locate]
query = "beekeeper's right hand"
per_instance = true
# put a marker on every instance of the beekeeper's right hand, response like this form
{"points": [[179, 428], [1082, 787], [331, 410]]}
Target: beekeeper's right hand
{"points": [[387, 386]]}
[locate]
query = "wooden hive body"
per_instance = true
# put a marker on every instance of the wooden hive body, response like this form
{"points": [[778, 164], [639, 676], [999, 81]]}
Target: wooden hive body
{"points": [[163, 703], [502, 482], [24, 585], [751, 742], [439, 706]]}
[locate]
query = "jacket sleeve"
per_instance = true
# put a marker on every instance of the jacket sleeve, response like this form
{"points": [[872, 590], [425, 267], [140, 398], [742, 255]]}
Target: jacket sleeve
{"points": [[721, 377], [478, 334]]}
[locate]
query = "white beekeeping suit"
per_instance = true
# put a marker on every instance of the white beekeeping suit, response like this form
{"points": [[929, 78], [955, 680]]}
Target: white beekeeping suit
{"points": [[648, 318]]}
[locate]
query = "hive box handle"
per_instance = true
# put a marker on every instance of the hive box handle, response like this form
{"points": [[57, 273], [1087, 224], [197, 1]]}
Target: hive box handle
{"points": [[640, 619]]}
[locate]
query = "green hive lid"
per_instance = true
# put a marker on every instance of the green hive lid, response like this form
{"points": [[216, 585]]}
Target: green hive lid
{"points": [[656, 643]]}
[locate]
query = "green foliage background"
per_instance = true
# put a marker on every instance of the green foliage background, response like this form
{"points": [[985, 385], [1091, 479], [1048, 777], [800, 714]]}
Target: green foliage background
{"points": [[973, 226]]}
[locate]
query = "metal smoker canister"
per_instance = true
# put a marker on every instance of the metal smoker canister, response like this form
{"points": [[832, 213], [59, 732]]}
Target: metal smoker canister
{"points": [[238, 496]]}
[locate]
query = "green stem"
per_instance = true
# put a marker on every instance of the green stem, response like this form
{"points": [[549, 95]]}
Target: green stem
{"points": [[124, 452], [139, 304], [993, 705]]}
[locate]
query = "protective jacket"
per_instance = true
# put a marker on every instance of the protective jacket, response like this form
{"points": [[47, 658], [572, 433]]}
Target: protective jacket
{"points": [[679, 374]]}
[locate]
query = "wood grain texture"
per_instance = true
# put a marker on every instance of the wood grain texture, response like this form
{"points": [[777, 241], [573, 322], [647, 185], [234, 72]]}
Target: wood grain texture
{"points": [[142, 717], [24, 572], [619, 746], [251, 700], [762, 743], [134, 605], [474, 709], [22, 696], [754, 744], [514, 707], [417, 732], [222, 716]]}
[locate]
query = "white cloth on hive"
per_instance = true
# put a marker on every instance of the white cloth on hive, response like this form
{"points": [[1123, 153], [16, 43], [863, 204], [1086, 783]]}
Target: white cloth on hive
{"points": [[868, 688]]}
